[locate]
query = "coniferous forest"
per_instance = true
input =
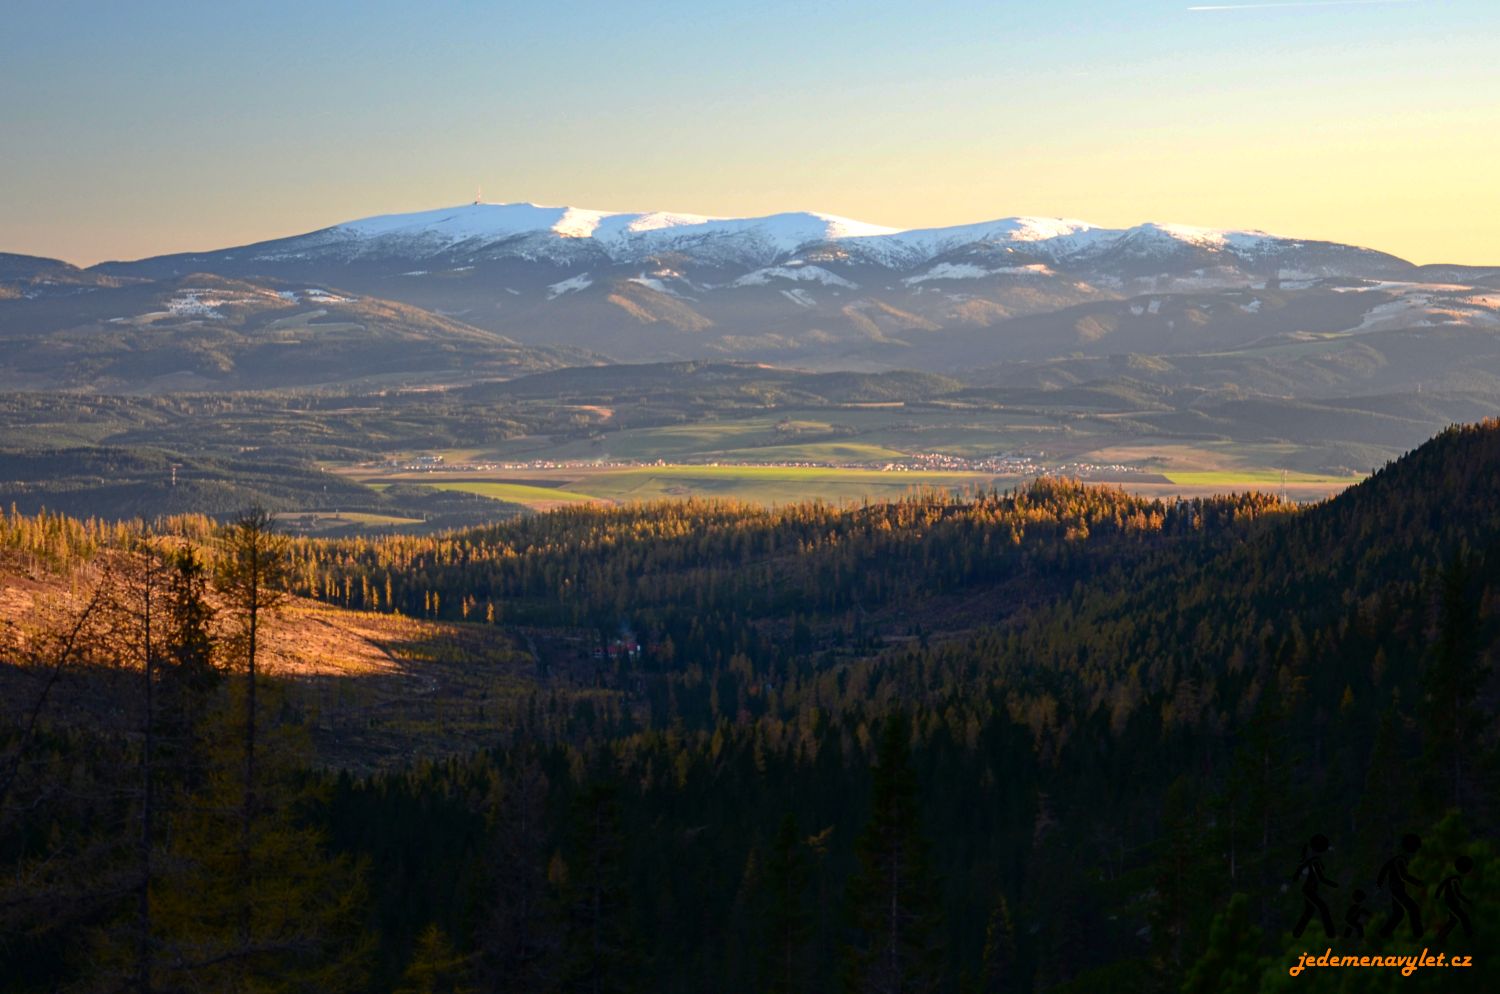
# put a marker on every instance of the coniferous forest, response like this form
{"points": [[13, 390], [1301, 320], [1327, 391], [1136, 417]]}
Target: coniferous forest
{"points": [[1058, 739]]}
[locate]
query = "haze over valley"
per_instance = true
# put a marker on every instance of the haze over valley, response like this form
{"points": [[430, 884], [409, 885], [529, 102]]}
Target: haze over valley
{"points": [[1166, 358]]}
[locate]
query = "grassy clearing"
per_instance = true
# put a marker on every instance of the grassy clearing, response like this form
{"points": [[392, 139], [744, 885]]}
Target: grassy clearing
{"points": [[769, 484], [758, 484], [1172, 466], [882, 433], [334, 519], [1329, 342], [55, 435], [668, 442], [1255, 477], [515, 493], [454, 455]]}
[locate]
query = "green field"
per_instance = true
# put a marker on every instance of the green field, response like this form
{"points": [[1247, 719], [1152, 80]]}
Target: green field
{"points": [[758, 484], [821, 435], [770, 484], [791, 484], [820, 452], [745, 457], [1257, 477], [515, 493], [321, 521]]}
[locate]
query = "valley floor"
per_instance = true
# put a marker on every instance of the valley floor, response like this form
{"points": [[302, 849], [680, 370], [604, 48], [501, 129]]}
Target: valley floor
{"points": [[545, 488]]}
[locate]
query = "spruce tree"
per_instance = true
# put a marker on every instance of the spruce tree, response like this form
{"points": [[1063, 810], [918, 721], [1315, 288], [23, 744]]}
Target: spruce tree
{"points": [[287, 914], [998, 970], [893, 895], [601, 954], [519, 940], [1230, 962], [435, 967], [1454, 672], [788, 917]]}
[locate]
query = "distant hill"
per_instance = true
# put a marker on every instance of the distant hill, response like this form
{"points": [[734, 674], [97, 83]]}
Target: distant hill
{"points": [[30, 277], [726, 382], [203, 331], [124, 483]]}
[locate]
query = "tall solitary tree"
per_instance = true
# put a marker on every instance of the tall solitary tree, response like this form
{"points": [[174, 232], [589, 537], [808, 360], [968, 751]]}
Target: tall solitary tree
{"points": [[251, 572], [286, 915], [254, 902], [159, 629], [149, 590]]}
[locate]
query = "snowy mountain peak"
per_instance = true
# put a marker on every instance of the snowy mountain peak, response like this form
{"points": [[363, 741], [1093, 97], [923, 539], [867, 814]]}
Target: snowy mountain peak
{"points": [[581, 239], [1206, 238], [621, 235], [478, 221], [798, 283], [486, 223]]}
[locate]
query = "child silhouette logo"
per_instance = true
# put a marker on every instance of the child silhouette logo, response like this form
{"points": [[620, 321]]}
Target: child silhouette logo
{"points": [[1356, 916], [1311, 872], [1394, 878], [1451, 893]]}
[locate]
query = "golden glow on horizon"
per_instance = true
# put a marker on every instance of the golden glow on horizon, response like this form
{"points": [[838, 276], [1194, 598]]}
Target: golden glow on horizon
{"points": [[1453, 224], [1419, 187], [1389, 142]]}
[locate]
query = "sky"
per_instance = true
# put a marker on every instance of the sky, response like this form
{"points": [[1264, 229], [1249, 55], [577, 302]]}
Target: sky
{"points": [[134, 129]]}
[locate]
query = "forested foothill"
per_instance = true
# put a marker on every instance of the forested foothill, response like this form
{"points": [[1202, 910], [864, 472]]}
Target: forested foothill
{"points": [[1055, 738]]}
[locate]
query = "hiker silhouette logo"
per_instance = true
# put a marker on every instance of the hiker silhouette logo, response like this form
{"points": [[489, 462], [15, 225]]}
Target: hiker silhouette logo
{"points": [[1451, 893], [1310, 870], [1395, 877], [1396, 887]]}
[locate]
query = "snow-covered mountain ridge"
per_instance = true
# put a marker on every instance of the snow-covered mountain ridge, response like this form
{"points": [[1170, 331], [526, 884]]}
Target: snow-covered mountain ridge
{"points": [[565, 233], [806, 284]]}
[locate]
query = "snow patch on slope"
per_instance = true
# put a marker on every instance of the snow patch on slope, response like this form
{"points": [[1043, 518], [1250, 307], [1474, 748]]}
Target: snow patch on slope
{"points": [[968, 271], [192, 303], [798, 273], [570, 285]]}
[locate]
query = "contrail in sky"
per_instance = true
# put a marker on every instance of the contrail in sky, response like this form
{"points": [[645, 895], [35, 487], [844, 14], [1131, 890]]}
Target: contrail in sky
{"points": [[1295, 3]]}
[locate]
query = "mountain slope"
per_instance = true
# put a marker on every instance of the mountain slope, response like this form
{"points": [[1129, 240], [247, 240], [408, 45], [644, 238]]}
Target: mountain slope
{"points": [[29, 277], [209, 332], [813, 288]]}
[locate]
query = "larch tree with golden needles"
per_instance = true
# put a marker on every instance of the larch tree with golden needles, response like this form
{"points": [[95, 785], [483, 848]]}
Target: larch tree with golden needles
{"points": [[253, 901]]}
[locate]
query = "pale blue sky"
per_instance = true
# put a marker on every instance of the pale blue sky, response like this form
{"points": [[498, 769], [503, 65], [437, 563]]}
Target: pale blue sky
{"points": [[134, 128]]}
